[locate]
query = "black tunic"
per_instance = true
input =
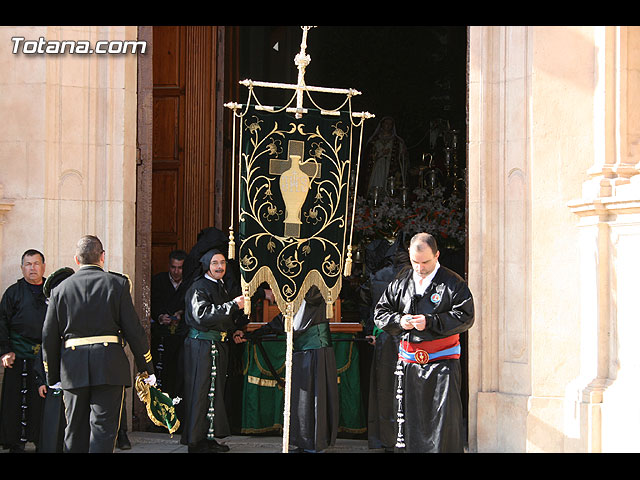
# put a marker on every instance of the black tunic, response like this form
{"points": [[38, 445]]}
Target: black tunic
{"points": [[381, 428], [314, 415], [381, 414], [167, 341], [209, 308], [22, 313], [431, 392]]}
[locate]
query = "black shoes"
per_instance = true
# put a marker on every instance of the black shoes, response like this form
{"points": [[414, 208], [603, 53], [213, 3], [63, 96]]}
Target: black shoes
{"points": [[123, 442], [217, 447], [208, 446]]}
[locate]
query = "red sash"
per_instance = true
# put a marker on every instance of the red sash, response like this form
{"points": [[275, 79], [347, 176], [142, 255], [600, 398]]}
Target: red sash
{"points": [[433, 346]]}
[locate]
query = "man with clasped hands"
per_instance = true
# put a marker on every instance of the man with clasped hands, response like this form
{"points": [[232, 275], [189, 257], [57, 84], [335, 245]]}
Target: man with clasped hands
{"points": [[428, 308]]}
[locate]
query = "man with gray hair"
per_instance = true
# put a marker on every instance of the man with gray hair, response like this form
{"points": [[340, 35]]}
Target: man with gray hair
{"points": [[89, 319], [22, 311], [429, 307]]}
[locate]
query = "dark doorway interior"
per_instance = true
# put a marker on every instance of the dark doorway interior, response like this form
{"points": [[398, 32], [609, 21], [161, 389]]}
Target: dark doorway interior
{"points": [[416, 75]]}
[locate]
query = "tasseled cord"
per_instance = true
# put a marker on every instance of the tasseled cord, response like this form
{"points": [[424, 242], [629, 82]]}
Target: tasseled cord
{"points": [[348, 262], [232, 245], [400, 397], [212, 392], [24, 404]]}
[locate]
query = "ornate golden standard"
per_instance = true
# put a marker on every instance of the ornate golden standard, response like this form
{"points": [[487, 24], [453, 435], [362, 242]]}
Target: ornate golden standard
{"points": [[295, 167]]}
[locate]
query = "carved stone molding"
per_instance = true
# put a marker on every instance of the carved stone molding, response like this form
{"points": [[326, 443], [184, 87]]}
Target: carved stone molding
{"points": [[6, 205]]}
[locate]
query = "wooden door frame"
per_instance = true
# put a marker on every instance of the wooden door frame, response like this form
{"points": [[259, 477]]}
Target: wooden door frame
{"points": [[144, 171], [144, 167]]}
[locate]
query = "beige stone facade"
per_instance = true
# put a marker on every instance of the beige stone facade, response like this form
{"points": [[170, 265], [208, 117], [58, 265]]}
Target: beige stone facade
{"points": [[553, 243], [68, 149], [554, 212]]}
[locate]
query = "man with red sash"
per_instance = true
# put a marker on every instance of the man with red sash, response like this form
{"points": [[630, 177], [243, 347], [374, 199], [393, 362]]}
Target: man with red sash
{"points": [[428, 306]]}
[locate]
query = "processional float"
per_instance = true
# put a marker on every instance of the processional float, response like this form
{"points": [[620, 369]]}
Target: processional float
{"points": [[294, 166]]}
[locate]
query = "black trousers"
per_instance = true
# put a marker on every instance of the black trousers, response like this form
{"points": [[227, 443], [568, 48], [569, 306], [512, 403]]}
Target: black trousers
{"points": [[93, 418]]}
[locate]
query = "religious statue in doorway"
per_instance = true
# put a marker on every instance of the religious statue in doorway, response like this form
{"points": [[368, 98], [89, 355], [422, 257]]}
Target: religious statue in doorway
{"points": [[386, 156]]}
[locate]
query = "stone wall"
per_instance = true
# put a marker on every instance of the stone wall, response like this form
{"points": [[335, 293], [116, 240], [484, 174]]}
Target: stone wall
{"points": [[551, 116], [68, 148]]}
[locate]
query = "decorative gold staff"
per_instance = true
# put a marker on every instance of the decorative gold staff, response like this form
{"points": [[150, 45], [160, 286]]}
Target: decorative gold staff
{"points": [[302, 60]]}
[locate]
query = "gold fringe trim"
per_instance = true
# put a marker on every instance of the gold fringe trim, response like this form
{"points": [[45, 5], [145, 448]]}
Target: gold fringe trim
{"points": [[276, 427], [264, 370], [348, 262], [313, 278], [347, 365]]}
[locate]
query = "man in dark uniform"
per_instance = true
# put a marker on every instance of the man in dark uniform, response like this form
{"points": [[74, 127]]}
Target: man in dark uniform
{"points": [[211, 314], [428, 308], [22, 312], [168, 329], [89, 319]]}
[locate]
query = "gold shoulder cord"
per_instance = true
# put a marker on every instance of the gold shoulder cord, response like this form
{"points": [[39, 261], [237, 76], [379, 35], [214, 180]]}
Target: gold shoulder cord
{"points": [[124, 275]]}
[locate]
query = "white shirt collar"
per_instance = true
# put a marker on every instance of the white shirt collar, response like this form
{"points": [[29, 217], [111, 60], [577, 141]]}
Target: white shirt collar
{"points": [[423, 284], [173, 282], [206, 275]]}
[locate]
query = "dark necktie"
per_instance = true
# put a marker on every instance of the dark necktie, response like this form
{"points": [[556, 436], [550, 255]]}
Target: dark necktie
{"points": [[223, 290]]}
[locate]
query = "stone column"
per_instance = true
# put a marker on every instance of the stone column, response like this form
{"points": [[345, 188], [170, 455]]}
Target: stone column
{"points": [[530, 110], [6, 204], [602, 400]]}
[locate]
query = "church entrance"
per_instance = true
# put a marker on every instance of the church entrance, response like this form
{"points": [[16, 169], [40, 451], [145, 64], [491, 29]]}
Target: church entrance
{"points": [[413, 79]]}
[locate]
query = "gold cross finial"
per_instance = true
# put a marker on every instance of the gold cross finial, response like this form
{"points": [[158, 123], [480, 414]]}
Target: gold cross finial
{"points": [[302, 60]]}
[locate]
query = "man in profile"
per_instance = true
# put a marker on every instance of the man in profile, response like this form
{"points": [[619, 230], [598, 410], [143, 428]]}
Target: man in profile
{"points": [[89, 319], [213, 315]]}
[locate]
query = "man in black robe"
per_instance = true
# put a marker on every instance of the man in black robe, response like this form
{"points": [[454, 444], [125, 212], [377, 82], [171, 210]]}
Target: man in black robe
{"points": [[429, 308], [168, 328], [212, 315], [89, 318], [22, 312], [381, 428], [314, 377]]}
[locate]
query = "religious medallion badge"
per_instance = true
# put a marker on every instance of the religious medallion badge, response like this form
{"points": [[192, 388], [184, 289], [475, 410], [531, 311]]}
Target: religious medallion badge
{"points": [[421, 357]]}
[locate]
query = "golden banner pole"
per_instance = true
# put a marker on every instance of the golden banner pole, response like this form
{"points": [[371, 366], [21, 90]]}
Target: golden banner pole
{"points": [[302, 60], [288, 327]]}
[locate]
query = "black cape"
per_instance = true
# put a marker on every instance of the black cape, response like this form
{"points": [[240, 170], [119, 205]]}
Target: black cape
{"points": [[208, 308], [381, 425], [314, 414]]}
